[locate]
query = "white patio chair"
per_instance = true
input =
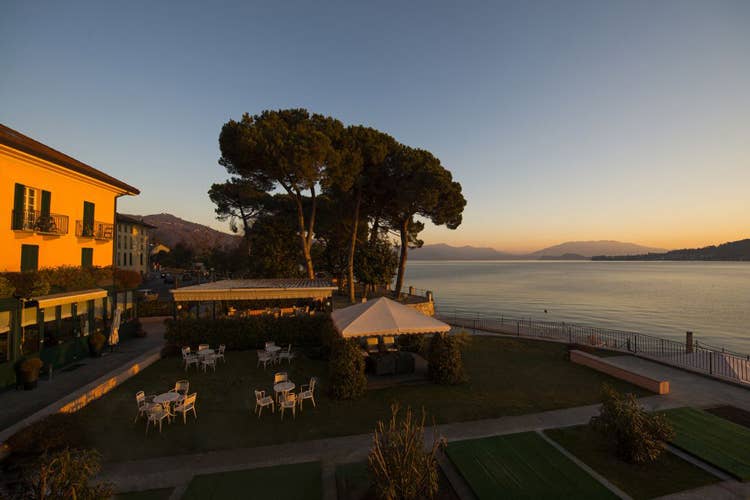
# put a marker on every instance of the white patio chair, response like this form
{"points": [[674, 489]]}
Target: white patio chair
{"points": [[286, 354], [289, 401], [261, 401], [181, 387], [156, 414], [142, 403], [187, 404], [270, 343], [307, 391], [220, 353], [207, 361], [264, 357], [188, 358]]}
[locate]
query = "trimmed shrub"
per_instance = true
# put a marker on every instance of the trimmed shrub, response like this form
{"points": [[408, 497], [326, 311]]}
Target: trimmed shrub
{"points": [[97, 341], [125, 279], [446, 365], [149, 308], [51, 433], [6, 287], [27, 285], [65, 474], [637, 436], [347, 370], [307, 332], [399, 466]]}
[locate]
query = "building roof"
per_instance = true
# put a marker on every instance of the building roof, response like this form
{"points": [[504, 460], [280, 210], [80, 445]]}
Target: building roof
{"points": [[132, 219], [384, 316], [255, 289], [17, 140]]}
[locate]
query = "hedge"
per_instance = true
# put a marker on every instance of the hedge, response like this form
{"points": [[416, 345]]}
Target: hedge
{"points": [[312, 333]]}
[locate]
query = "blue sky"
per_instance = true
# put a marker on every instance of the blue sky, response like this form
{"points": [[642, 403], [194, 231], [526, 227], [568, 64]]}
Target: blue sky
{"points": [[562, 120]]}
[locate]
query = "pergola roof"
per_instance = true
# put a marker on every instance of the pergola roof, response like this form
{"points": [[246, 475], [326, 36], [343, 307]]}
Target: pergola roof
{"points": [[57, 299], [255, 289], [383, 316]]}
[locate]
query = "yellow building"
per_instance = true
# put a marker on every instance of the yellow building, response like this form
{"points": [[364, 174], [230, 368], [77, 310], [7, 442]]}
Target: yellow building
{"points": [[56, 210]]}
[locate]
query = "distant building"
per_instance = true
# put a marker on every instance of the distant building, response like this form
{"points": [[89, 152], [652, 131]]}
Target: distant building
{"points": [[55, 210], [133, 250]]}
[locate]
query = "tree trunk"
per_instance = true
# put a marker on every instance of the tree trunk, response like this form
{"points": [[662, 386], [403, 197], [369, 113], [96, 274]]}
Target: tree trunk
{"points": [[404, 230], [375, 229], [304, 240], [353, 247]]}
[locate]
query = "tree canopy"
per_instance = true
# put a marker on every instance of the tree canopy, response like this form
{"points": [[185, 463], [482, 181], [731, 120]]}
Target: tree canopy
{"points": [[343, 191]]}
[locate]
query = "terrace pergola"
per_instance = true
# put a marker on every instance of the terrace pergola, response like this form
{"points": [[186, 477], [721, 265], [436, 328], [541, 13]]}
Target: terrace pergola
{"points": [[249, 290]]}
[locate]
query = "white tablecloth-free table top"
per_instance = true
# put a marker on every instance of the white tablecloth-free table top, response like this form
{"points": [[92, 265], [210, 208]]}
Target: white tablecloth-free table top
{"points": [[283, 387], [167, 397]]}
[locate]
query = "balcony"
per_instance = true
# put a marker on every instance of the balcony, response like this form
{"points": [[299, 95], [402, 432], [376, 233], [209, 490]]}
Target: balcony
{"points": [[39, 222], [97, 230]]}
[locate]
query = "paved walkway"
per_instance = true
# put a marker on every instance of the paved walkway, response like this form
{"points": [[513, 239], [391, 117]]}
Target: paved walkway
{"points": [[16, 405], [176, 471]]}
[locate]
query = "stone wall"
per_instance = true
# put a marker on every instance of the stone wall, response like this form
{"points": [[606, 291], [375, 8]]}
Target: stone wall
{"points": [[426, 307]]}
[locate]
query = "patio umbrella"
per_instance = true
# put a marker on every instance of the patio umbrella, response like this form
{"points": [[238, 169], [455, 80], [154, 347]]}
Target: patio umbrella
{"points": [[383, 316]]}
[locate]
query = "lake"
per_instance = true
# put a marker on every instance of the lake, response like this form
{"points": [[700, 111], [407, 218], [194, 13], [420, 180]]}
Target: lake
{"points": [[664, 299]]}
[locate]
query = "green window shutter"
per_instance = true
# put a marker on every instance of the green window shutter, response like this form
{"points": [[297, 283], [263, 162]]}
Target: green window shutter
{"points": [[18, 206], [88, 218], [29, 258], [87, 257], [46, 201]]}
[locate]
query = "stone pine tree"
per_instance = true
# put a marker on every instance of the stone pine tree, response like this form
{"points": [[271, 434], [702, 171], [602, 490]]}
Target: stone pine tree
{"points": [[291, 149], [363, 153], [416, 184]]}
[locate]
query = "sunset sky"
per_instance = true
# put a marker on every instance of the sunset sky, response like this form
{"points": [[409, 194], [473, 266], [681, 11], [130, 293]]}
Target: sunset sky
{"points": [[562, 120]]}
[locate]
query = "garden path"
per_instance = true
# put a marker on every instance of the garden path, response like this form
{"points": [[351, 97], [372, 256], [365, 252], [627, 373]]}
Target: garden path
{"points": [[17, 405]]}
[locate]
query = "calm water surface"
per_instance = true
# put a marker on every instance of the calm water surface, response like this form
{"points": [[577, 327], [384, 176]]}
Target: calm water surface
{"points": [[665, 299]]}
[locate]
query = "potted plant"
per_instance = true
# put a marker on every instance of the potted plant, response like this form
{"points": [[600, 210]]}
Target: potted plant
{"points": [[96, 344], [29, 372], [138, 327]]}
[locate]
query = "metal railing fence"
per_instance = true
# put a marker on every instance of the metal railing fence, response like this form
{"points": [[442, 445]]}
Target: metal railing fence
{"points": [[691, 354]]}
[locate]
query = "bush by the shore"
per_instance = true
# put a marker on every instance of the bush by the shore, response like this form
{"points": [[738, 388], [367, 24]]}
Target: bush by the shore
{"points": [[446, 365]]}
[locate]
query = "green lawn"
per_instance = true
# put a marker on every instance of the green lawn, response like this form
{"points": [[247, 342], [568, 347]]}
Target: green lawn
{"points": [[158, 494], [668, 474], [508, 377], [292, 482], [522, 466], [719, 442]]}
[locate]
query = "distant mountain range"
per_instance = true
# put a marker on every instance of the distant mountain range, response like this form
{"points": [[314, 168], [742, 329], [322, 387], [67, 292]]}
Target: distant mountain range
{"points": [[571, 250], [733, 250], [171, 230]]}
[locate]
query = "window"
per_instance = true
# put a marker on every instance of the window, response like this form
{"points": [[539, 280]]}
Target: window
{"points": [[88, 219], [29, 258], [87, 257], [131, 258], [25, 206], [141, 259]]}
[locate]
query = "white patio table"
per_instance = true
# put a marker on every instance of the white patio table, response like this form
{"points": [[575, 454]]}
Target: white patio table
{"points": [[283, 388]]}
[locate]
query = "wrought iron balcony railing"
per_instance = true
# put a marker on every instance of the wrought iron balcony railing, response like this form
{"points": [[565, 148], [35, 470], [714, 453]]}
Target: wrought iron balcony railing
{"points": [[96, 229], [40, 222]]}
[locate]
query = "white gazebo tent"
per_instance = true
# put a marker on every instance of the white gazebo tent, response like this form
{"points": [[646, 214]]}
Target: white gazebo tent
{"points": [[383, 316]]}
